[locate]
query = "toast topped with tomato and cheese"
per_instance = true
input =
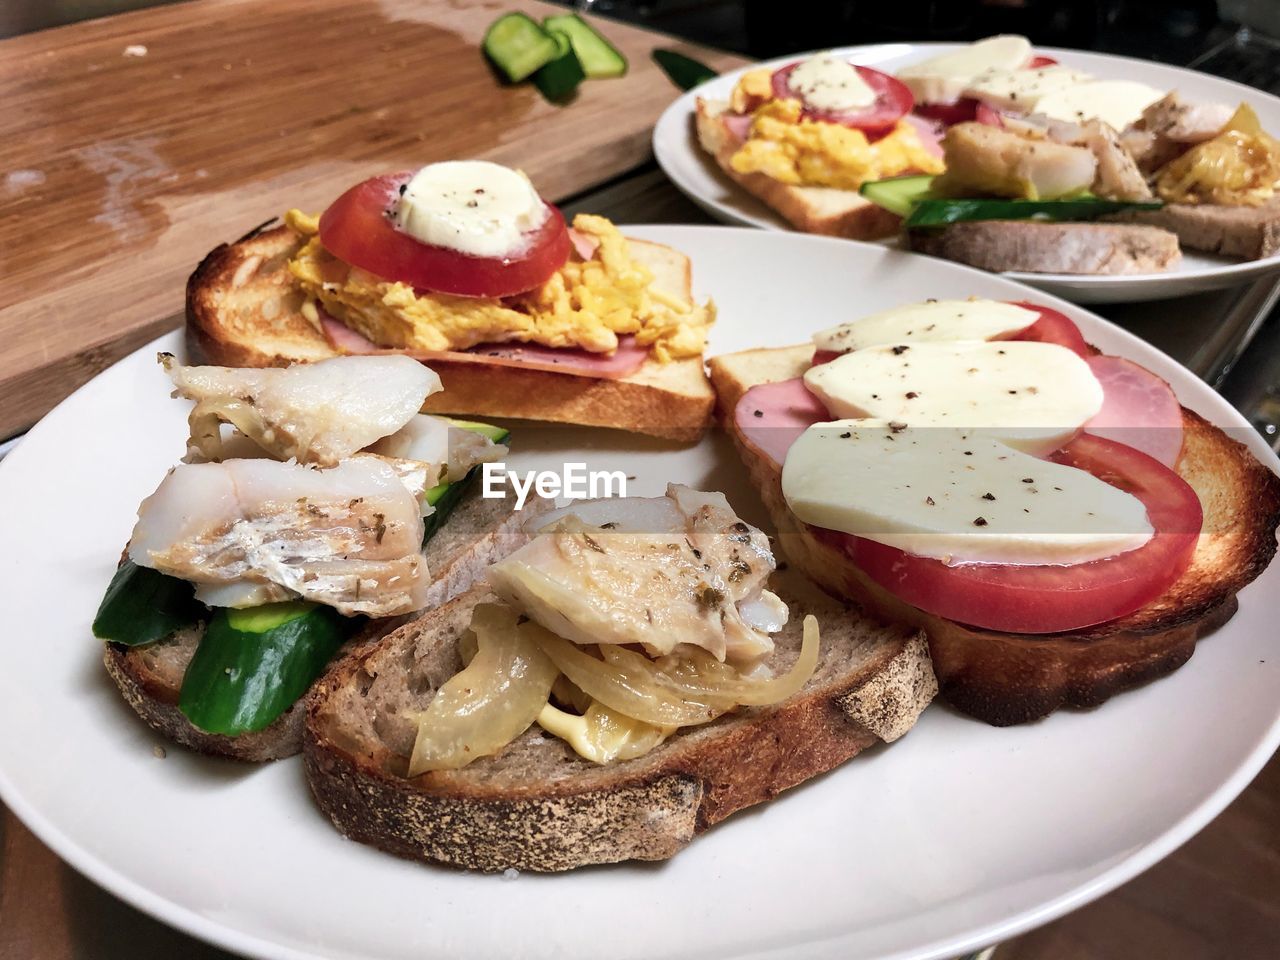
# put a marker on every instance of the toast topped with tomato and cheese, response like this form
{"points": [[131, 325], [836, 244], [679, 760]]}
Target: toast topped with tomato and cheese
{"points": [[1057, 523], [577, 324]]}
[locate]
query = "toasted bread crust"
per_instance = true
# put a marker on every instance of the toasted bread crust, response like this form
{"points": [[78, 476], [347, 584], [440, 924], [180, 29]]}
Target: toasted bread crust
{"points": [[1005, 678], [150, 677], [642, 809], [821, 210], [237, 284]]}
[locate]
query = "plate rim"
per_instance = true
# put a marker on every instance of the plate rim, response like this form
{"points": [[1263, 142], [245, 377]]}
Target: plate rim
{"points": [[678, 113], [222, 934]]}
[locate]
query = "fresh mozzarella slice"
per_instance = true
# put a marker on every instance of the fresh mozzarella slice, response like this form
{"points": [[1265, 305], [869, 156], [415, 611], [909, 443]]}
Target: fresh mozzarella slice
{"points": [[314, 412], [960, 496], [943, 78], [828, 83], [931, 320], [1021, 90], [1031, 395], [1119, 103], [473, 206]]}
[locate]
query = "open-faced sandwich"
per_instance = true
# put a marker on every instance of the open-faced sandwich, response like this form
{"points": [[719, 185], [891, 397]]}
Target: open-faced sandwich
{"points": [[464, 266], [624, 681], [1049, 515], [1051, 170], [1003, 159], [316, 507]]}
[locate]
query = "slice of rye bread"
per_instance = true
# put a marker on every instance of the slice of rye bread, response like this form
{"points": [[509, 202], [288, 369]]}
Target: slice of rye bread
{"points": [[478, 533], [823, 210], [1250, 233], [1091, 249], [1005, 678], [537, 805], [244, 310]]}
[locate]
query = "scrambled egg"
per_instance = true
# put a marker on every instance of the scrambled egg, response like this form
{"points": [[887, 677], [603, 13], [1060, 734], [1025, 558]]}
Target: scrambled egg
{"points": [[1238, 167], [806, 152], [586, 304]]}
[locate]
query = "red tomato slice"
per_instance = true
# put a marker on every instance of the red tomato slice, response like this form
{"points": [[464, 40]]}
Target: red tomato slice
{"points": [[893, 101], [357, 230], [962, 111], [1052, 327], [1051, 598], [1036, 62]]}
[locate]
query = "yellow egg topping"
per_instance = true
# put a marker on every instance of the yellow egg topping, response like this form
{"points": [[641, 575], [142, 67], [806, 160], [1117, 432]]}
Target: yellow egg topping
{"points": [[586, 304], [805, 152]]}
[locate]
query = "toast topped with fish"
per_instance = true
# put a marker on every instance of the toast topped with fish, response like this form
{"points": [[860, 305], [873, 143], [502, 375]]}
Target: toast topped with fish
{"points": [[316, 509], [623, 682], [580, 324], [1056, 522]]}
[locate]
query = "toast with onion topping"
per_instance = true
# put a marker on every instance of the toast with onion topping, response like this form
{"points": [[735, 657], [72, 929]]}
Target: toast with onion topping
{"points": [[1006, 678], [244, 309], [477, 533], [537, 805]]}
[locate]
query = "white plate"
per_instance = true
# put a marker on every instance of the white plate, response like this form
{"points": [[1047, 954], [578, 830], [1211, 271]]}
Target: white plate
{"points": [[692, 170], [959, 835]]}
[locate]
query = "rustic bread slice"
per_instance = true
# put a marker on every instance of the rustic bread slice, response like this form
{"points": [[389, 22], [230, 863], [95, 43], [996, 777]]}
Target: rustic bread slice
{"points": [[822, 210], [479, 532], [244, 310], [1093, 249], [1250, 233], [1005, 678], [538, 806]]}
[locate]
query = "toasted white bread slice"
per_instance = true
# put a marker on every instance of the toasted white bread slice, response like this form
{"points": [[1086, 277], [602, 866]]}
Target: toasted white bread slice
{"points": [[244, 310], [536, 805], [823, 210], [1006, 678], [478, 533]]}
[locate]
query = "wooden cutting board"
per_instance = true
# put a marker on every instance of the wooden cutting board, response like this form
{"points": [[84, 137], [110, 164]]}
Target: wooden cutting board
{"points": [[130, 146]]}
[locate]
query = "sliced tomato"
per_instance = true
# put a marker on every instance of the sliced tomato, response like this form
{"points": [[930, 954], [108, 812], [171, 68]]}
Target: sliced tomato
{"points": [[1036, 63], [1050, 598], [962, 111], [1052, 327], [893, 101], [357, 230]]}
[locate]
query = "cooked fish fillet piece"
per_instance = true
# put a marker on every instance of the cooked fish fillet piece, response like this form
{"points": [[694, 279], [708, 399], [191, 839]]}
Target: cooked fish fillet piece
{"points": [[1118, 176], [349, 537], [986, 160], [660, 572], [435, 440], [1183, 122], [313, 412]]}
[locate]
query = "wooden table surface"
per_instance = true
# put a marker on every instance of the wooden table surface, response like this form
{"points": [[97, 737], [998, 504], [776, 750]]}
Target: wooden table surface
{"points": [[120, 171]]}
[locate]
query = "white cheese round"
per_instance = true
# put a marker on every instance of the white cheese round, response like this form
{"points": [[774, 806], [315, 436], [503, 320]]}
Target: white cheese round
{"points": [[472, 206], [1021, 90], [943, 78], [828, 83], [932, 320], [1031, 395], [1117, 102], [956, 495]]}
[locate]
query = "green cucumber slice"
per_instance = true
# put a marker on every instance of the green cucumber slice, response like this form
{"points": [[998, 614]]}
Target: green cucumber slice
{"points": [[142, 606], [899, 194], [518, 46], [685, 72], [495, 433], [253, 665], [940, 213], [559, 78], [599, 58]]}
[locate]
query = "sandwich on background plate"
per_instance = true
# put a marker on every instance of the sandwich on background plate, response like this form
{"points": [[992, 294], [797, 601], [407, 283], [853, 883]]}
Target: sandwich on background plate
{"points": [[462, 265], [1051, 516], [316, 508], [621, 683]]}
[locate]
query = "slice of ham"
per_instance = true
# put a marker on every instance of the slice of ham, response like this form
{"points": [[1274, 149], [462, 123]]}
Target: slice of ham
{"points": [[584, 244], [771, 416], [1138, 409], [929, 132], [624, 361], [738, 126]]}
